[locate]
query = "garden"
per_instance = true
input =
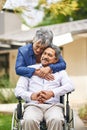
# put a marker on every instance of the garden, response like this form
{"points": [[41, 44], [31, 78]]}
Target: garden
{"points": [[6, 96], [83, 114], [6, 90]]}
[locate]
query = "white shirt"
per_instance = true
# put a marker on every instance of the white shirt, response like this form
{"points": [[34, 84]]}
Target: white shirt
{"points": [[60, 86]]}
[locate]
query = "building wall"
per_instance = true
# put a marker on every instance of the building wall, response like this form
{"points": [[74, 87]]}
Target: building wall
{"points": [[9, 22], [75, 54], [12, 61]]}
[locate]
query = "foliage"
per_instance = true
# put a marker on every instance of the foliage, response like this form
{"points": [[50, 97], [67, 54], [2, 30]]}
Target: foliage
{"points": [[5, 83], [7, 99], [83, 112], [50, 20], [6, 90], [81, 13], [64, 7], [5, 121], [57, 12], [64, 13]]}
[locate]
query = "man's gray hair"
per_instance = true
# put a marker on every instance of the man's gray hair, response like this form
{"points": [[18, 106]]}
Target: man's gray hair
{"points": [[57, 50], [45, 35]]}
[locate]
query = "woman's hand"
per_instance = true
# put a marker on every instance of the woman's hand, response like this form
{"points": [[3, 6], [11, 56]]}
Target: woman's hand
{"points": [[44, 72]]}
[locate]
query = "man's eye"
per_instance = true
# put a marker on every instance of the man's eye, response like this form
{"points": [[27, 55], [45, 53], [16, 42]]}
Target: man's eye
{"points": [[44, 53], [50, 55]]}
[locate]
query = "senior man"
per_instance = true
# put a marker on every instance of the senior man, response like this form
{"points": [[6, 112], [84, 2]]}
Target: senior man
{"points": [[42, 96]]}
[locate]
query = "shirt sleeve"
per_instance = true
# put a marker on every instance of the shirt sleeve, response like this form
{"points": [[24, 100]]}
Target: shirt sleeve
{"points": [[66, 85], [60, 65], [22, 89], [21, 67]]}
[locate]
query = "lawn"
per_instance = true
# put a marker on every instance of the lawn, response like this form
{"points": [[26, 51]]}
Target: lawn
{"points": [[5, 121]]}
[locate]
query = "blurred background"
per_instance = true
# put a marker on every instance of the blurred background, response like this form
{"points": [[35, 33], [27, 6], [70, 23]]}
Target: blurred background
{"points": [[19, 21]]}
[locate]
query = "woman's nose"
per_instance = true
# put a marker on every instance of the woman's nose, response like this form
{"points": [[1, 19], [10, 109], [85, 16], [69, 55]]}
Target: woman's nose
{"points": [[38, 49]]}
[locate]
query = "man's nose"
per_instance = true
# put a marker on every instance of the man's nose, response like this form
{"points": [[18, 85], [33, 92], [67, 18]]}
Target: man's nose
{"points": [[45, 56]]}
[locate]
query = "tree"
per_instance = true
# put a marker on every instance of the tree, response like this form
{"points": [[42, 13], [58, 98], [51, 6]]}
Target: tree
{"points": [[81, 13], [57, 12]]}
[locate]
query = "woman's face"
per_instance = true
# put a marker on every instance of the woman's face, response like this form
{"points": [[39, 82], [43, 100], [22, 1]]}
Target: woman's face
{"points": [[38, 47]]}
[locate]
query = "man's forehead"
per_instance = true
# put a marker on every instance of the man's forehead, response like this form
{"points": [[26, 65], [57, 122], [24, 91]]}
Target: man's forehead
{"points": [[49, 50]]}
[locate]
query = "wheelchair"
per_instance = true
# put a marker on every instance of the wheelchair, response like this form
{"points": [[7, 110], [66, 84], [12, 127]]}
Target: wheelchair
{"points": [[67, 111]]}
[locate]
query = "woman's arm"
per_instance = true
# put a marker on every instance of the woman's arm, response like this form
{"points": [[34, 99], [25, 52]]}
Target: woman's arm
{"points": [[60, 65], [21, 66]]}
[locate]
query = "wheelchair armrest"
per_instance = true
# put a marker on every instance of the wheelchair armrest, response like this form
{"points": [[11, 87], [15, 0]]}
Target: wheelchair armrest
{"points": [[70, 92], [19, 98], [62, 97]]}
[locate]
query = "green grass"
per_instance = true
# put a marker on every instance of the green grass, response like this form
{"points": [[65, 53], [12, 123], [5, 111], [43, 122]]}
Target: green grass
{"points": [[5, 121]]}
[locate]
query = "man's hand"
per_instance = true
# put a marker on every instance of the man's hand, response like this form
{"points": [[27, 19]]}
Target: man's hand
{"points": [[42, 96], [45, 95], [35, 96]]}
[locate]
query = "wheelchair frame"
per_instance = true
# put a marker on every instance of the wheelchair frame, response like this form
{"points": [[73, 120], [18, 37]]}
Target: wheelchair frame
{"points": [[68, 116]]}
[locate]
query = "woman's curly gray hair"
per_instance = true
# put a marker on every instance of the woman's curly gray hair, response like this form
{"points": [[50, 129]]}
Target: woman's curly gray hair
{"points": [[45, 35]]}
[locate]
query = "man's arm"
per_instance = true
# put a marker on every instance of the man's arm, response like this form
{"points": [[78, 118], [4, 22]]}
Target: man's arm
{"points": [[65, 85], [22, 89], [42, 96]]}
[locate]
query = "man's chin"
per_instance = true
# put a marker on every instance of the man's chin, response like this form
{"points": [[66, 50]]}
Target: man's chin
{"points": [[44, 64]]}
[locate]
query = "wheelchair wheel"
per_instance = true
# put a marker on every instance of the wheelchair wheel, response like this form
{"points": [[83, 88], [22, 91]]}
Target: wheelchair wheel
{"points": [[69, 125], [16, 124], [72, 124]]}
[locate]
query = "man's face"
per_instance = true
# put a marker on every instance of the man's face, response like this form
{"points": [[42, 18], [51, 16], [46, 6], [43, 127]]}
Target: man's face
{"points": [[38, 48], [48, 57]]}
